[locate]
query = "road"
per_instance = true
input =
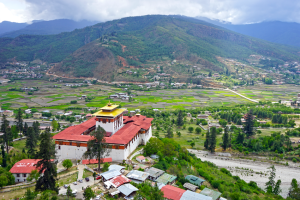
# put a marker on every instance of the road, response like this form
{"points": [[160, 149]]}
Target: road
{"points": [[255, 101]]}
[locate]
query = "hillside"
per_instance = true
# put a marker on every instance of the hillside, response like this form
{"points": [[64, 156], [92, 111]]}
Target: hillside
{"points": [[273, 31], [44, 27], [139, 42], [6, 26]]}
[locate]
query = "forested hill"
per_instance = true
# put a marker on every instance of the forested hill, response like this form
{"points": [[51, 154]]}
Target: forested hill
{"points": [[139, 40]]}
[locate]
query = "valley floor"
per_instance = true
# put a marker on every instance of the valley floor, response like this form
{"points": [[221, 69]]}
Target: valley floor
{"points": [[250, 170]]}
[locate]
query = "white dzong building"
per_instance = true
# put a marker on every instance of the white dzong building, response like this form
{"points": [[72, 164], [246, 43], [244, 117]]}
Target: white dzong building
{"points": [[123, 134]]}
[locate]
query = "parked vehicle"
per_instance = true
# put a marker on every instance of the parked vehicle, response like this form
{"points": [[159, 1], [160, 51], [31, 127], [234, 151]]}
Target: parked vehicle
{"points": [[98, 177], [80, 181], [66, 186], [87, 179], [75, 183], [74, 192]]}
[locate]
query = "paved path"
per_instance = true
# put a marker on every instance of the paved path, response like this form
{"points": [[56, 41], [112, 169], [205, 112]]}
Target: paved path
{"points": [[255, 101], [136, 153], [80, 171]]}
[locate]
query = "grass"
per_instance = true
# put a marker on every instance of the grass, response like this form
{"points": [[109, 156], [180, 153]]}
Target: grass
{"points": [[72, 169], [86, 173], [15, 194], [68, 179]]}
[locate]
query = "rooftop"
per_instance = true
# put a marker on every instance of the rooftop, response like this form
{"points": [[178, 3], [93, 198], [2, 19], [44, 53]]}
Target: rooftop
{"points": [[24, 166], [154, 172], [194, 180], [110, 174], [138, 175], [127, 189], [109, 113], [166, 178], [119, 180], [95, 161], [116, 167], [211, 193], [188, 195], [171, 192]]}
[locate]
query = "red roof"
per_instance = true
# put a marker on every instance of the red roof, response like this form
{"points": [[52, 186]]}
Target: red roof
{"points": [[131, 127], [171, 192], [95, 161], [24, 166], [141, 157], [119, 180]]}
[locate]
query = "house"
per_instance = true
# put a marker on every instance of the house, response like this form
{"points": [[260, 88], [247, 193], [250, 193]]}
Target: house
{"points": [[88, 116], [114, 191], [127, 189], [217, 125], [166, 179], [119, 180], [37, 115], [154, 156], [60, 113], [211, 193], [117, 167], [154, 173], [189, 195], [23, 168], [207, 112], [194, 180], [171, 192], [28, 111], [141, 159], [190, 186], [8, 113], [109, 175], [188, 114], [78, 117], [46, 111], [137, 176], [202, 116], [123, 134], [141, 166]]}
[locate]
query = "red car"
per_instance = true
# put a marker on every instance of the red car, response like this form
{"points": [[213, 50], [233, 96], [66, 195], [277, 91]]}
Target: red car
{"points": [[98, 177]]}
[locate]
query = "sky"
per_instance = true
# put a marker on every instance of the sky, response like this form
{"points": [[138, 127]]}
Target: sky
{"points": [[234, 11]]}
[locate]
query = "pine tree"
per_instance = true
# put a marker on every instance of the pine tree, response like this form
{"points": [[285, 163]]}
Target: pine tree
{"points": [[213, 139], [169, 133], [226, 139], [97, 147], [179, 118], [46, 165], [31, 141], [277, 190], [36, 129], [19, 120], [207, 140], [25, 129], [248, 127], [270, 185], [7, 137]]}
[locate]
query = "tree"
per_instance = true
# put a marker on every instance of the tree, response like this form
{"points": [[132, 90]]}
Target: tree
{"points": [[3, 180], [180, 119], [97, 148], [153, 146], [192, 144], [170, 133], [178, 133], [88, 194], [198, 130], [213, 139], [36, 129], [46, 166], [54, 125], [190, 129], [19, 120], [67, 163], [25, 129], [277, 190], [270, 185], [248, 127], [34, 174], [31, 141], [225, 139], [105, 167], [294, 191], [30, 195], [69, 192], [6, 131], [207, 140]]}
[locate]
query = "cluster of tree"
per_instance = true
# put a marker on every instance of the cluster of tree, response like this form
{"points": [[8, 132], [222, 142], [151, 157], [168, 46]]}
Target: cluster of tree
{"points": [[229, 116]]}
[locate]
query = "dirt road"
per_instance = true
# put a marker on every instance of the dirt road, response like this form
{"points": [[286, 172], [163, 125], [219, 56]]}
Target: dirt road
{"points": [[250, 170]]}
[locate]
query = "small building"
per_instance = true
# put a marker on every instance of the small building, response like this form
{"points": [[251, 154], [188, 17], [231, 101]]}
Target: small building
{"points": [[23, 168], [127, 190], [28, 111], [78, 117], [46, 111], [189, 115], [141, 159], [166, 179], [154, 173], [8, 113], [116, 167], [37, 115], [154, 156], [190, 186], [119, 180], [114, 191], [189, 195], [109, 175], [202, 116], [194, 180], [88, 116], [211, 193], [60, 113], [141, 166], [137, 176], [171, 192], [207, 112]]}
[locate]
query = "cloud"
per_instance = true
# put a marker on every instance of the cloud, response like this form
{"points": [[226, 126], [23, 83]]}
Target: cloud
{"points": [[235, 11], [9, 14]]}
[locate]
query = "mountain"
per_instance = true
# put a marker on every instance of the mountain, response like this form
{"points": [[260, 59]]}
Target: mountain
{"points": [[6, 26], [286, 33], [47, 27], [100, 50]]}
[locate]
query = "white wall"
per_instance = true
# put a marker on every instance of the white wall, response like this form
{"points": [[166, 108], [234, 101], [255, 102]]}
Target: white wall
{"points": [[69, 152], [21, 178]]}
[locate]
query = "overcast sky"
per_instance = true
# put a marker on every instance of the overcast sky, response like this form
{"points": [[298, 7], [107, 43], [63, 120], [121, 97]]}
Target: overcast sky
{"points": [[235, 11]]}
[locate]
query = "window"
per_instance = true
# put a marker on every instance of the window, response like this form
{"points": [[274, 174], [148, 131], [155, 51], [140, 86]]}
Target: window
{"points": [[61, 142], [70, 143], [24, 175], [59, 147], [18, 175], [78, 144]]}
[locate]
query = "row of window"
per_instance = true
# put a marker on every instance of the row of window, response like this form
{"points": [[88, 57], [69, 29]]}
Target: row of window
{"points": [[19, 175]]}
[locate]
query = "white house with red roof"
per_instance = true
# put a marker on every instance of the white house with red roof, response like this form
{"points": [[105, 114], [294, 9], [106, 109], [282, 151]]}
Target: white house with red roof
{"points": [[23, 168], [123, 134]]}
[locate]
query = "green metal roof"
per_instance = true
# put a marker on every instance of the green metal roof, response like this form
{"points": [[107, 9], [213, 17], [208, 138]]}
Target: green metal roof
{"points": [[194, 180], [166, 178], [211, 193]]}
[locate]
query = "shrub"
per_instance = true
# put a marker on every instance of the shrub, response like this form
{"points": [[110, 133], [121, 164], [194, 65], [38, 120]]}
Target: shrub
{"points": [[225, 171], [73, 102], [190, 129], [294, 160]]}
